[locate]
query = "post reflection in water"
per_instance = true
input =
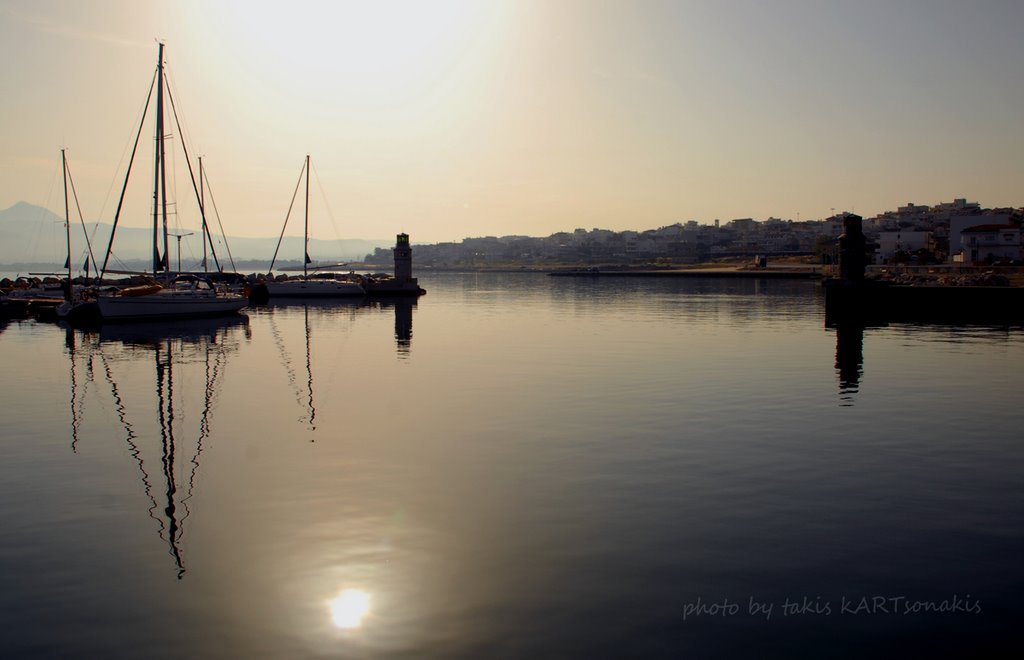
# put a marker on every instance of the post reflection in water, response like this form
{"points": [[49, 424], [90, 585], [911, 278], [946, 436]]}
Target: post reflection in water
{"points": [[182, 344], [402, 322], [849, 360]]}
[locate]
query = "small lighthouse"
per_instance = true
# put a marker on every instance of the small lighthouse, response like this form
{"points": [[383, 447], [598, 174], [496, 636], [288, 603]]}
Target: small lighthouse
{"points": [[403, 260], [403, 283]]}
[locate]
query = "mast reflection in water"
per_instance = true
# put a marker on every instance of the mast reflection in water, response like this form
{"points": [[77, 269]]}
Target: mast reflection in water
{"points": [[327, 312], [182, 345]]}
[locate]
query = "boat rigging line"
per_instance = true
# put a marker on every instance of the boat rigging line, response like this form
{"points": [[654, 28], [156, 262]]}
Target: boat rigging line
{"points": [[289, 215], [204, 177], [161, 262], [192, 176], [81, 219], [124, 188]]}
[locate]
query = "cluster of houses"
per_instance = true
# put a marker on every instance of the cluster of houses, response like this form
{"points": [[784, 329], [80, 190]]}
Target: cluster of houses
{"points": [[955, 232]]}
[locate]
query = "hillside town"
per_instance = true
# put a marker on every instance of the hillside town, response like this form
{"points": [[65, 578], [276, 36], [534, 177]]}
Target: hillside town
{"points": [[959, 232]]}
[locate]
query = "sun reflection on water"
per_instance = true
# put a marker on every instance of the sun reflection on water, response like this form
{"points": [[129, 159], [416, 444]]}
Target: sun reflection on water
{"points": [[349, 608]]}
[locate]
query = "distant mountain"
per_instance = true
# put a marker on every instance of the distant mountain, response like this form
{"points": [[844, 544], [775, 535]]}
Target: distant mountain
{"points": [[33, 234]]}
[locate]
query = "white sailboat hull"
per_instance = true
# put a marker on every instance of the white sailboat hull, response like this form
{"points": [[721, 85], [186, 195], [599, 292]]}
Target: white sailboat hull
{"points": [[168, 304], [314, 289]]}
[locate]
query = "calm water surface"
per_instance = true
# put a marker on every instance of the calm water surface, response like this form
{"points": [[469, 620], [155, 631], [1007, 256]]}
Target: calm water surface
{"points": [[513, 466]]}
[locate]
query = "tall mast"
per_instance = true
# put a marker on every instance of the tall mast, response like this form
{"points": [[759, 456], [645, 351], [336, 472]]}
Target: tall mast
{"points": [[202, 209], [156, 158], [305, 247], [159, 170], [67, 220], [163, 164]]}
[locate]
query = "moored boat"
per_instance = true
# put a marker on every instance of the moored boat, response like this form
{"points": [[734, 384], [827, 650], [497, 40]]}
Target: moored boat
{"points": [[186, 296], [313, 288], [306, 287]]}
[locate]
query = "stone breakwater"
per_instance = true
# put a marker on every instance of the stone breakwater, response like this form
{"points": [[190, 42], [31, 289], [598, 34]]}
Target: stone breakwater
{"points": [[947, 279]]}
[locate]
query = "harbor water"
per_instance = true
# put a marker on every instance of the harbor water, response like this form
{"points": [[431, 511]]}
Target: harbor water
{"points": [[513, 466]]}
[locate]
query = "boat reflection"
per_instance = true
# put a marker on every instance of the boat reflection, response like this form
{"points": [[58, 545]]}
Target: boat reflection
{"points": [[339, 306], [317, 312], [352, 308], [196, 333], [116, 354]]}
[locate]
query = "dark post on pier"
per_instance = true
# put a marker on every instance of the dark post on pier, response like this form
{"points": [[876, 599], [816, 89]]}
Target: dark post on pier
{"points": [[852, 249], [851, 298]]}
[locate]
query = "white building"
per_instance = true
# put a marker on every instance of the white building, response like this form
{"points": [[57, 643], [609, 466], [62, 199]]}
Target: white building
{"points": [[990, 242], [958, 223]]}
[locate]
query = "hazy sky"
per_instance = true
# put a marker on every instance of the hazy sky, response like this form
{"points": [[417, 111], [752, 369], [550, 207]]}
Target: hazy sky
{"points": [[468, 118]]}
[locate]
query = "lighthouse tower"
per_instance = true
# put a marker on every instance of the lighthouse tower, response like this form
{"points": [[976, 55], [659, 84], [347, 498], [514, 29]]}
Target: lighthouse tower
{"points": [[403, 283], [403, 259]]}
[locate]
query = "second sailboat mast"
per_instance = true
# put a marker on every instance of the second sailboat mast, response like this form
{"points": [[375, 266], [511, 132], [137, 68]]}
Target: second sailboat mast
{"points": [[305, 245]]}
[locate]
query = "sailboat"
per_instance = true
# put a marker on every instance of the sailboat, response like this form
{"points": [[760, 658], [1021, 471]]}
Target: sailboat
{"points": [[78, 306], [185, 295], [307, 287]]}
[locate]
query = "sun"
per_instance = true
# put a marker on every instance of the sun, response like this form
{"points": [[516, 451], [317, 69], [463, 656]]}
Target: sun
{"points": [[350, 608]]}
